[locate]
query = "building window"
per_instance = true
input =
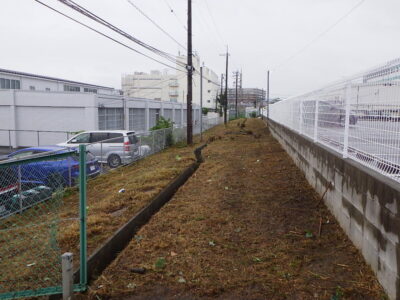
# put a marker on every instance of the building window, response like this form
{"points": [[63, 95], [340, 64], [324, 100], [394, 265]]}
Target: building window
{"points": [[208, 101], [32, 88], [90, 90], [168, 114], [137, 119], [154, 116], [111, 118], [15, 84], [47, 89], [10, 84], [178, 117], [71, 88]]}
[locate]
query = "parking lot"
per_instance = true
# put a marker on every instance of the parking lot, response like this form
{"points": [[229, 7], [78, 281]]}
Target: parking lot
{"points": [[368, 140]]}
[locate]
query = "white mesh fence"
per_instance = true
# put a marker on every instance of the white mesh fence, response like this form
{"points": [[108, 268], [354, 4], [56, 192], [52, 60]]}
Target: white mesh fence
{"points": [[358, 117]]}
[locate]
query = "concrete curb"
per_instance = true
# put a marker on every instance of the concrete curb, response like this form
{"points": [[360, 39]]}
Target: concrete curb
{"points": [[110, 249]]}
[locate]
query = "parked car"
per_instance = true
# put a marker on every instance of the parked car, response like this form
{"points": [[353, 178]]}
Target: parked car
{"points": [[332, 115], [8, 187], [114, 147], [53, 173]]}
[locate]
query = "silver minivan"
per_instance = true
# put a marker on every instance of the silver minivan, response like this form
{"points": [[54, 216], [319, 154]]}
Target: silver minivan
{"points": [[114, 147]]}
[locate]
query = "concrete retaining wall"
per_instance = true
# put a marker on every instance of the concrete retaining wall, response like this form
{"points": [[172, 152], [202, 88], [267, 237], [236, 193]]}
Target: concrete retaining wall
{"points": [[365, 203]]}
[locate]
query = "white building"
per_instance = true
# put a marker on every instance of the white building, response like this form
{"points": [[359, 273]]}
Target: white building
{"points": [[155, 85], [30, 117], [160, 85], [32, 82]]}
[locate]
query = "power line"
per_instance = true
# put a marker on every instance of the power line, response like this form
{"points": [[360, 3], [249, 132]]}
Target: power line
{"points": [[107, 36], [155, 24], [176, 16], [213, 20], [320, 35], [105, 23]]}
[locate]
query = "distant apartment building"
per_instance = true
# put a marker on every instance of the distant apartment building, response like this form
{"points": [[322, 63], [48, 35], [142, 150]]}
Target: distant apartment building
{"points": [[163, 86], [156, 85], [246, 97]]}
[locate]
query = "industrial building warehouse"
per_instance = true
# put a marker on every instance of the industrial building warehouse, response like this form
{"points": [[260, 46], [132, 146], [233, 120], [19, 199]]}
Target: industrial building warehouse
{"points": [[41, 110]]}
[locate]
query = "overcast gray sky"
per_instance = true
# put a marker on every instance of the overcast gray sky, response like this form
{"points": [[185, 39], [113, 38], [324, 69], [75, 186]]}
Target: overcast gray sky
{"points": [[261, 34]]}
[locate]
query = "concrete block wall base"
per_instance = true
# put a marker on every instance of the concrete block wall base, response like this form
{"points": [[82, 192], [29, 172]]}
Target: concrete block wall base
{"points": [[365, 203]]}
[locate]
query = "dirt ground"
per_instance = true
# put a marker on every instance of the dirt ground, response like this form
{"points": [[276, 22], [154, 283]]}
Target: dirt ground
{"points": [[245, 226]]}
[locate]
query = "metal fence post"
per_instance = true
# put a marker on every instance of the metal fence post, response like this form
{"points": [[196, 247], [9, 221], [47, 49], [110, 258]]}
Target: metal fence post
{"points": [[316, 121], [9, 139], [101, 157], [20, 188], [164, 138], [67, 275], [140, 147], [82, 214], [347, 121], [301, 117], [69, 171], [153, 133], [38, 138]]}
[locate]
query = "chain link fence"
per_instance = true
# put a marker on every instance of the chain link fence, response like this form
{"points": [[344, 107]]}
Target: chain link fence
{"points": [[38, 220], [32, 188], [358, 117]]}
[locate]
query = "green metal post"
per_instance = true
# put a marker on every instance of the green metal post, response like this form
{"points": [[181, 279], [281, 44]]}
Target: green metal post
{"points": [[82, 214]]}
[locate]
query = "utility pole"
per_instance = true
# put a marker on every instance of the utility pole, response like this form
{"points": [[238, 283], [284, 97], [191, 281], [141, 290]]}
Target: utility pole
{"points": [[201, 103], [226, 86], [222, 84], [240, 85], [236, 94], [268, 95], [189, 76]]}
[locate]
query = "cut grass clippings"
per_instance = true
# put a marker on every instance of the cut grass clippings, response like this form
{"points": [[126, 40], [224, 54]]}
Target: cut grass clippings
{"points": [[31, 243], [244, 226]]}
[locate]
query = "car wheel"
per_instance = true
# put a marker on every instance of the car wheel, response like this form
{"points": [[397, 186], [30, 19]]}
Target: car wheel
{"points": [[114, 160], [56, 181]]}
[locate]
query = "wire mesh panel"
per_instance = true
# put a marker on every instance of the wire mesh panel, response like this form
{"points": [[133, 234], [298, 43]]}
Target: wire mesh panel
{"points": [[32, 188], [358, 117]]}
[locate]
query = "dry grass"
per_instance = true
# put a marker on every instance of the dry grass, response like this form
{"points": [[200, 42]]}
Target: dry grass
{"points": [[29, 252], [244, 226]]}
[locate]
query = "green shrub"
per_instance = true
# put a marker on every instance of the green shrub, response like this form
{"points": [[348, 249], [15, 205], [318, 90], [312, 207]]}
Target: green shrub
{"points": [[253, 114], [205, 110], [162, 123]]}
